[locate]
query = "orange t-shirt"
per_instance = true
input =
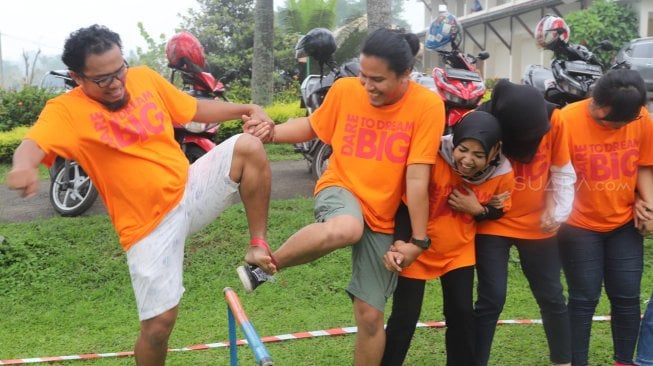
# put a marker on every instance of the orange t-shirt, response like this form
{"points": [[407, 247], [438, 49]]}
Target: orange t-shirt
{"points": [[131, 155], [531, 186], [606, 162], [373, 145], [452, 232]]}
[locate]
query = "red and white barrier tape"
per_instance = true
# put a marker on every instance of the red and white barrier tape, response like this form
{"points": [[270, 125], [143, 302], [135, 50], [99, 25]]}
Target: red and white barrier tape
{"points": [[269, 339]]}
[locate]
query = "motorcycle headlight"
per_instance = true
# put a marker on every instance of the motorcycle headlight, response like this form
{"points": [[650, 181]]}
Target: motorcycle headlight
{"points": [[450, 97], [195, 127]]}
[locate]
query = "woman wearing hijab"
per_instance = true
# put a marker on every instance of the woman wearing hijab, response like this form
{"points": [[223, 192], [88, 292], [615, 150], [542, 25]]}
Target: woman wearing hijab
{"points": [[469, 170], [541, 201]]}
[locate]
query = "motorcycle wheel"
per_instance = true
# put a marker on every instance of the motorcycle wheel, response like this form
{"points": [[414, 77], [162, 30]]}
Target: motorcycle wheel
{"points": [[71, 191], [321, 160], [194, 152]]}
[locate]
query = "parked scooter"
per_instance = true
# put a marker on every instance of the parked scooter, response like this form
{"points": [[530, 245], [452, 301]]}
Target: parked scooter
{"points": [[71, 190], [459, 82], [574, 68], [320, 45], [186, 58]]}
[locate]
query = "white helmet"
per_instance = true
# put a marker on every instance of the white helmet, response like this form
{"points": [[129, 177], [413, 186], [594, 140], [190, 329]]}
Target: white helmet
{"points": [[550, 30]]}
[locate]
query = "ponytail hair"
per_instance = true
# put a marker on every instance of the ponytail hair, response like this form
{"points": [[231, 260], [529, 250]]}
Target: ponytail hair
{"points": [[397, 48]]}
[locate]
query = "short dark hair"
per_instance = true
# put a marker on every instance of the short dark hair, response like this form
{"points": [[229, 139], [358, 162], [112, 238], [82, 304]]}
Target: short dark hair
{"points": [[83, 42], [622, 90], [394, 46]]}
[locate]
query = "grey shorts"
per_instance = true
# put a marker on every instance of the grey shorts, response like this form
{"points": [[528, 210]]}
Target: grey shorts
{"points": [[370, 281], [156, 261]]}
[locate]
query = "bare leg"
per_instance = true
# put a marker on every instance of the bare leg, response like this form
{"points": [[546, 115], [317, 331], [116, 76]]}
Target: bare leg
{"points": [[370, 338], [250, 168], [317, 240], [152, 343]]}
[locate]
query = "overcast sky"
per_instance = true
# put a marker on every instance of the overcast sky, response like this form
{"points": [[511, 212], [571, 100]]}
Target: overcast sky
{"points": [[44, 24]]}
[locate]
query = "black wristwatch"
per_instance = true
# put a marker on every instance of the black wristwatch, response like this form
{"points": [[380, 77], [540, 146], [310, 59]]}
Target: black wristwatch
{"points": [[422, 243]]}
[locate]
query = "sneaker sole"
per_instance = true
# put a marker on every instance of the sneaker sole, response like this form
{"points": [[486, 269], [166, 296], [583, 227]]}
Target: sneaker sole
{"points": [[244, 279]]}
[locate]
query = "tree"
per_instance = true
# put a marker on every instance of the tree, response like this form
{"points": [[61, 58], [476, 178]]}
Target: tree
{"points": [[603, 20], [226, 30], [29, 69], [155, 55], [378, 14], [349, 10], [300, 16], [263, 61]]}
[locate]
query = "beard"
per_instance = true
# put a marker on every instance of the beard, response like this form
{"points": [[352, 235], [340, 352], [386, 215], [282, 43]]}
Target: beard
{"points": [[118, 104]]}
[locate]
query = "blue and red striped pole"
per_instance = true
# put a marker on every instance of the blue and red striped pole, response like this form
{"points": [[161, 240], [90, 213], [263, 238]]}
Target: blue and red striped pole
{"points": [[236, 312]]}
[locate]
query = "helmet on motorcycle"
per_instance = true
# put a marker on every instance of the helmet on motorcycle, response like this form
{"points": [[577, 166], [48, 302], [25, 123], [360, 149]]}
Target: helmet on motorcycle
{"points": [[551, 30], [184, 51], [317, 43], [444, 29]]}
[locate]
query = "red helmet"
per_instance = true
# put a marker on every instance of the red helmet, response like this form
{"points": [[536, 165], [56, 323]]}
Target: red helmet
{"points": [[550, 30], [183, 48]]}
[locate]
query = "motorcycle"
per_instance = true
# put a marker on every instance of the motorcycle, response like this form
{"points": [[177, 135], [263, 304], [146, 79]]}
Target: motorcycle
{"points": [[459, 83], [72, 191], [195, 138], [574, 70], [186, 58], [313, 90]]}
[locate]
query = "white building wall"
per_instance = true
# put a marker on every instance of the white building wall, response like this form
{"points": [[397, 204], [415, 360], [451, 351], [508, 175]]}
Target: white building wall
{"points": [[510, 63]]}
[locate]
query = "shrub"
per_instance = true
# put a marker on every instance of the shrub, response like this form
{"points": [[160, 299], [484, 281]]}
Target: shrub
{"points": [[491, 82], [9, 141], [278, 112], [22, 108], [284, 93]]}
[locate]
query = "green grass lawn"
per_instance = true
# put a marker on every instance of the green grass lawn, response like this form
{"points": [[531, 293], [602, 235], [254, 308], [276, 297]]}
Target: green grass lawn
{"points": [[65, 290]]}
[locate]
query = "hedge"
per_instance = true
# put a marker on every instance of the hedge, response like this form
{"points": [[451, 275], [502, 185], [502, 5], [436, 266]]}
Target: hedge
{"points": [[278, 112], [9, 141], [22, 108]]}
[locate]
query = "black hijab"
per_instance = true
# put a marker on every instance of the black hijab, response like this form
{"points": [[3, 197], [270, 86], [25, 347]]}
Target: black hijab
{"points": [[484, 128], [524, 117]]}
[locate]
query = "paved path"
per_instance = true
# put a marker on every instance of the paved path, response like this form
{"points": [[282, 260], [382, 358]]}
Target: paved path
{"points": [[290, 179]]}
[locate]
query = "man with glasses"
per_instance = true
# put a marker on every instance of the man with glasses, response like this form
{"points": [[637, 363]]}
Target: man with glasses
{"points": [[610, 141], [118, 125]]}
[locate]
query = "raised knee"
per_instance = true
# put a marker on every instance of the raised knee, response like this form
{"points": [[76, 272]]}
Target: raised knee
{"points": [[348, 231], [249, 146]]}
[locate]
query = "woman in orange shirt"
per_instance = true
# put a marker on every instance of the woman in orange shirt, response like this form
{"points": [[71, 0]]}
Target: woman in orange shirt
{"points": [[536, 145], [609, 138], [468, 172]]}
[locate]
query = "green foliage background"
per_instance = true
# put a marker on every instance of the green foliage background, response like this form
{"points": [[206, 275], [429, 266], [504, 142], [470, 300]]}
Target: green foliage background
{"points": [[65, 290], [22, 107], [603, 20]]}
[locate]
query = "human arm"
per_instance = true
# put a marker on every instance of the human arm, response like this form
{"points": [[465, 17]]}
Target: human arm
{"points": [[23, 175], [394, 258], [498, 200], [215, 111], [643, 207], [466, 201], [559, 199], [417, 201]]}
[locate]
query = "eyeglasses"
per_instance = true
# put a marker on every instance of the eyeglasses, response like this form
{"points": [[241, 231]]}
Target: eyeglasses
{"points": [[105, 81]]}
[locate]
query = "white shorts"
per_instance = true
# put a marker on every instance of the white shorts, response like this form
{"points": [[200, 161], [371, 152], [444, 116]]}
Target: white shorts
{"points": [[156, 261]]}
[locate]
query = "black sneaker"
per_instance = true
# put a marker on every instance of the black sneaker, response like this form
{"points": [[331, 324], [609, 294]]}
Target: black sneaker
{"points": [[252, 277]]}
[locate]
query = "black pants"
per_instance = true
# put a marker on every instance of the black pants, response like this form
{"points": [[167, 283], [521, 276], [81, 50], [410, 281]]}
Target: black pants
{"points": [[457, 292], [540, 264]]}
